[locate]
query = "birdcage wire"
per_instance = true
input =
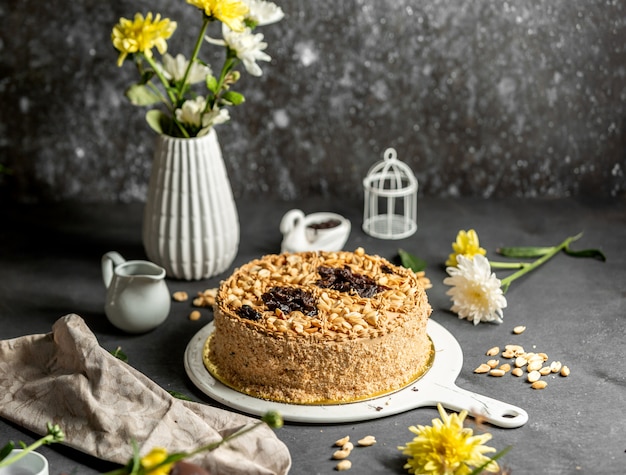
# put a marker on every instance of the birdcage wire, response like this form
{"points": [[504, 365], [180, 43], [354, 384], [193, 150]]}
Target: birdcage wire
{"points": [[390, 205]]}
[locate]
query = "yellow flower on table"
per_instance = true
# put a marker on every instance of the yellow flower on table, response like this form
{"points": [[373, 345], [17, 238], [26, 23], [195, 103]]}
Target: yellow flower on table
{"points": [[230, 12], [141, 35], [467, 245], [447, 448], [156, 456]]}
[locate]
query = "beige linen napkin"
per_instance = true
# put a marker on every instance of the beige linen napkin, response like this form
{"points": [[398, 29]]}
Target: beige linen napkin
{"points": [[101, 403]]}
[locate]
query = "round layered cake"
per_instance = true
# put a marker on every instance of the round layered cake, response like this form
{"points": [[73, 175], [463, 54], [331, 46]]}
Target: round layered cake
{"points": [[319, 328]]}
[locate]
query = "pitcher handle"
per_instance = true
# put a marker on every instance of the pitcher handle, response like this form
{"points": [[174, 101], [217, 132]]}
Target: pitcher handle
{"points": [[110, 260]]}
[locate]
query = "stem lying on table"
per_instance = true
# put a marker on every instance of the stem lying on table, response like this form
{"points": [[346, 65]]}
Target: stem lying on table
{"points": [[506, 282]]}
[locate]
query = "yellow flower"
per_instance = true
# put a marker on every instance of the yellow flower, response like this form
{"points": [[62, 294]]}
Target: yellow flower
{"points": [[230, 12], [447, 448], [141, 35], [153, 458], [466, 245]]}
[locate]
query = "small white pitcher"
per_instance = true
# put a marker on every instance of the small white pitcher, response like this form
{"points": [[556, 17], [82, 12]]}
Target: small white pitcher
{"points": [[137, 299]]}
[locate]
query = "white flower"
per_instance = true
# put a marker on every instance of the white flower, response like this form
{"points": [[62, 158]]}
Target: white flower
{"points": [[262, 12], [247, 46], [476, 293], [191, 111], [174, 68], [213, 117]]}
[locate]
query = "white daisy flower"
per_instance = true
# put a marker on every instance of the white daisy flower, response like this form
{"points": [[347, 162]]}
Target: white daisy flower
{"points": [[262, 12], [191, 112], [213, 117], [476, 292], [247, 46], [174, 68]]}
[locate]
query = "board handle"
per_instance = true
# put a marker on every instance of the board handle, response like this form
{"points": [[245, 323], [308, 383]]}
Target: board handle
{"points": [[478, 406]]}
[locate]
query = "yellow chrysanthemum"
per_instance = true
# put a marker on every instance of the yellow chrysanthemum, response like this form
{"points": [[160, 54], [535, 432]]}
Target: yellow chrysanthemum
{"points": [[230, 12], [447, 448], [466, 245], [153, 458], [141, 34]]}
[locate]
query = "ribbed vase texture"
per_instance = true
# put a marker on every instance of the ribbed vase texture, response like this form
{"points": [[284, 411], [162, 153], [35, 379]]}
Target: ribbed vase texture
{"points": [[190, 224]]}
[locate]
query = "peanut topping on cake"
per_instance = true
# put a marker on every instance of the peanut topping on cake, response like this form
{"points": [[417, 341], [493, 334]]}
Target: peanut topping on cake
{"points": [[328, 296]]}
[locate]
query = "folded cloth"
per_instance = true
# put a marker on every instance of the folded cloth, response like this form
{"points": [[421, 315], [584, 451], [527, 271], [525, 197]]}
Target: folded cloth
{"points": [[102, 404]]}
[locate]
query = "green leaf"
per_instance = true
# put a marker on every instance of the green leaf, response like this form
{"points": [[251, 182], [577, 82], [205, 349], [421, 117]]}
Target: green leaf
{"points": [[178, 395], [119, 354], [211, 83], [156, 120], [233, 98], [411, 262], [524, 252], [146, 76], [140, 95], [6, 450], [593, 253]]}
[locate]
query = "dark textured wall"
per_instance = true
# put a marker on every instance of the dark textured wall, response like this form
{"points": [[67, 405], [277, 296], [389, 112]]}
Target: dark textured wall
{"points": [[480, 97]]}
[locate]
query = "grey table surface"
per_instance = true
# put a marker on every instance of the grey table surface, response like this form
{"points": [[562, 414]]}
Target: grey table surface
{"points": [[574, 310]]}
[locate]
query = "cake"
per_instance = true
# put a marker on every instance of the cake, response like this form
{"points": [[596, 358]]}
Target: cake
{"points": [[319, 328]]}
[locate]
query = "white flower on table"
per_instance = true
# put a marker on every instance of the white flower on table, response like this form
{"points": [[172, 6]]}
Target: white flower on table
{"points": [[476, 292]]}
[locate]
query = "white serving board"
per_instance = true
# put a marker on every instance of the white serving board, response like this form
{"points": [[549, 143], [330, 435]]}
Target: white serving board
{"points": [[436, 386]]}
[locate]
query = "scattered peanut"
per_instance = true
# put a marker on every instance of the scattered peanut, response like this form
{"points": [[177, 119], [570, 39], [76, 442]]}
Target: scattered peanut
{"points": [[493, 363], [518, 330], [539, 385], [205, 298], [533, 376], [348, 446], [344, 465], [534, 364], [341, 442], [517, 372], [483, 368], [520, 361], [341, 454], [180, 296], [367, 441], [194, 315], [545, 371], [517, 349], [508, 354]]}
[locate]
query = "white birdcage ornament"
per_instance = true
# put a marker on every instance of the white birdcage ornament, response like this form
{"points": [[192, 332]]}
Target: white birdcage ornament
{"points": [[390, 208]]}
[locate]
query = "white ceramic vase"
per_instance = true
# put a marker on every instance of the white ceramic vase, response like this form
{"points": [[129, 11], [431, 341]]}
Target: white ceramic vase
{"points": [[190, 223]]}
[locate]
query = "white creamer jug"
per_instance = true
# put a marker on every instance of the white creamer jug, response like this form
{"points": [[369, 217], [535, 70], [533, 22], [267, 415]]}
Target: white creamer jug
{"points": [[137, 299]]}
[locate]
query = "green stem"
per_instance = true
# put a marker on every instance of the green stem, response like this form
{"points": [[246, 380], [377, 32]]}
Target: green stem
{"points": [[172, 97], [163, 80], [229, 64], [55, 434], [194, 55], [506, 282], [508, 265]]}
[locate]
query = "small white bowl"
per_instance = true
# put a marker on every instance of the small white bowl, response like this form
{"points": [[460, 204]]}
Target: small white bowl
{"points": [[33, 463]]}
